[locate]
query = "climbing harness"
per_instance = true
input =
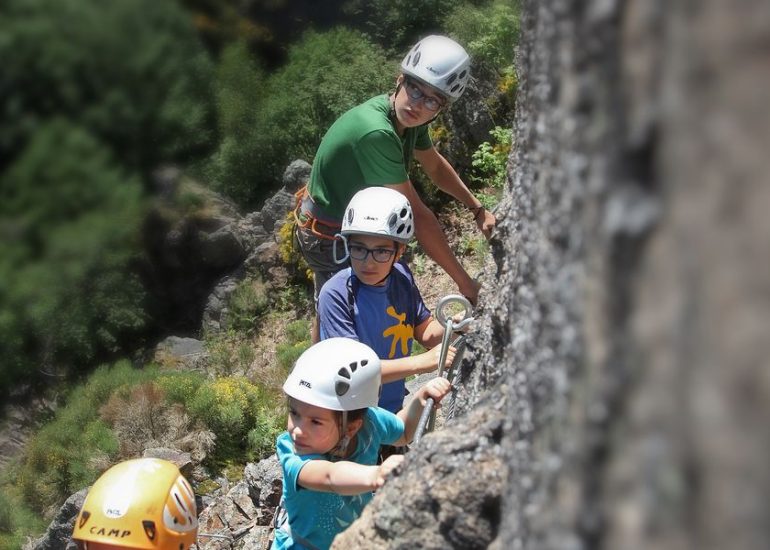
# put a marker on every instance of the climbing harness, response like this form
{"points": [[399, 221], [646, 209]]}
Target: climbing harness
{"points": [[427, 419], [308, 215]]}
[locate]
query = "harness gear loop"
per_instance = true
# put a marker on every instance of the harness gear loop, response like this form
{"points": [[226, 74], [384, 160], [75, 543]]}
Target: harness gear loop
{"points": [[308, 215], [428, 418]]}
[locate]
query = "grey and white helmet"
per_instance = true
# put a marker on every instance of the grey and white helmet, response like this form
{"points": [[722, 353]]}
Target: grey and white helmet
{"points": [[381, 212], [339, 374], [441, 63]]}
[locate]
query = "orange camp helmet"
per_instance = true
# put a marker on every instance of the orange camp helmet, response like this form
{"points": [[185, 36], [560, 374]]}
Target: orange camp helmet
{"points": [[144, 503]]}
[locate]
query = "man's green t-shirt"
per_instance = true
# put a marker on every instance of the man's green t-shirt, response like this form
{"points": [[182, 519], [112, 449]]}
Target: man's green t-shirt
{"points": [[362, 149]]}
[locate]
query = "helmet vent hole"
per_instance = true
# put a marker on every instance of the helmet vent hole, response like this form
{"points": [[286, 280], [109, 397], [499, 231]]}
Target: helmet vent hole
{"points": [[409, 229], [343, 372], [462, 74], [451, 79], [400, 229], [392, 219], [454, 88], [408, 58], [364, 362], [353, 366], [341, 387], [403, 213], [84, 517], [149, 529], [416, 59]]}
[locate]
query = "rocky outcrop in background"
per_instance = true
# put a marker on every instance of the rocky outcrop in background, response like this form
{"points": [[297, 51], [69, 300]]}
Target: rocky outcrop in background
{"points": [[621, 358]]}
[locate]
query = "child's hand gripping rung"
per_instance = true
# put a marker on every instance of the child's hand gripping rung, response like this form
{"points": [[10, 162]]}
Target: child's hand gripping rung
{"points": [[428, 418]]}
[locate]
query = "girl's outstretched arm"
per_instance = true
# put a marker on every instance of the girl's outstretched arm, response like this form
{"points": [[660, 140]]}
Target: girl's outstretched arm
{"points": [[345, 478]]}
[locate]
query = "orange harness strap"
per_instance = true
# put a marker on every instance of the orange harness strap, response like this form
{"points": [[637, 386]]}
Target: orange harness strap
{"points": [[306, 220]]}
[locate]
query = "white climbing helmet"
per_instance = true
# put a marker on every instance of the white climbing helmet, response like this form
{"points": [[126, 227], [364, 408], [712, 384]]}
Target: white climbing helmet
{"points": [[381, 212], [441, 63], [339, 374]]}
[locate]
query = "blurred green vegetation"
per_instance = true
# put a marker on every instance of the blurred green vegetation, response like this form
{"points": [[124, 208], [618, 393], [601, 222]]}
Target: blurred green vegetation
{"points": [[71, 215]]}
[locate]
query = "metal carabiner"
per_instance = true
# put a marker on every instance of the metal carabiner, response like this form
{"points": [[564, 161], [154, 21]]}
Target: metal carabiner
{"points": [[442, 318]]}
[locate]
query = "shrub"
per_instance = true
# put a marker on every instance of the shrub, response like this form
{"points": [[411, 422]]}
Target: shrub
{"points": [[145, 418], [17, 521], [490, 160], [58, 460], [325, 75], [229, 407], [397, 24], [297, 341], [488, 32], [290, 253], [247, 303], [180, 387], [270, 422], [229, 353]]}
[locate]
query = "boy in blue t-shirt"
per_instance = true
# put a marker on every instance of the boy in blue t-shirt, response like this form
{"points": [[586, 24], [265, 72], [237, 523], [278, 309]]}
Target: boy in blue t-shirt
{"points": [[334, 432], [375, 300]]}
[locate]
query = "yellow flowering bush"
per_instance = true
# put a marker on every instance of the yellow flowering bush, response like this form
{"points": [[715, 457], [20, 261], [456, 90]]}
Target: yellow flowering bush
{"points": [[230, 408]]}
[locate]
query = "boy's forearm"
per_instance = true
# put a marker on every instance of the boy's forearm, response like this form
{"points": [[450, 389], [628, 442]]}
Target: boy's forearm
{"points": [[398, 369], [432, 335]]}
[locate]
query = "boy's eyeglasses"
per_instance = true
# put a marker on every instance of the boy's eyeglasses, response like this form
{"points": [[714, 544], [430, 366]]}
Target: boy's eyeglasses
{"points": [[380, 255], [414, 92]]}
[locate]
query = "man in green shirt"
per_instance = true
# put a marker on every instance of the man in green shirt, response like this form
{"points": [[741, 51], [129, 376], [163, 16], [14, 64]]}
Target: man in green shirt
{"points": [[373, 145]]}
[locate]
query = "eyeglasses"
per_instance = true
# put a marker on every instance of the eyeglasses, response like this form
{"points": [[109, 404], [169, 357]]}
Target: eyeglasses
{"points": [[380, 255], [414, 92]]}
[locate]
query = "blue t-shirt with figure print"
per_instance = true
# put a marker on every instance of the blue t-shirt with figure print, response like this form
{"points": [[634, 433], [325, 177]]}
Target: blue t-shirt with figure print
{"points": [[382, 317], [318, 517]]}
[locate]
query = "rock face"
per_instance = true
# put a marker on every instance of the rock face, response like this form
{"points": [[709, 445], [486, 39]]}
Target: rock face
{"points": [[623, 336], [59, 533]]}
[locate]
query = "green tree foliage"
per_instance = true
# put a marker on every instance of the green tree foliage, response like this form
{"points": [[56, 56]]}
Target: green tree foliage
{"points": [[326, 74], [397, 24], [239, 84], [132, 72], [489, 33], [69, 222]]}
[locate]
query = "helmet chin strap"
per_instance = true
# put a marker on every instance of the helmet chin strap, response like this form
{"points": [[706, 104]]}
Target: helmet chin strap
{"points": [[340, 449], [392, 264]]}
